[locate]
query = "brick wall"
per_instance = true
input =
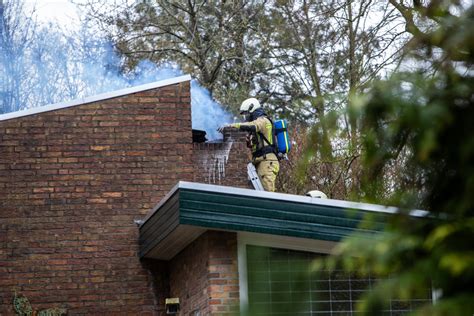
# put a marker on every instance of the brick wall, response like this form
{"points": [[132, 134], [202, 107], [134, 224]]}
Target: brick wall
{"points": [[204, 275], [189, 279], [71, 183], [223, 273]]}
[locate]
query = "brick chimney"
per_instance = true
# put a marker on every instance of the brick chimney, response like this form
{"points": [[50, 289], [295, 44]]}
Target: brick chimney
{"points": [[223, 162]]}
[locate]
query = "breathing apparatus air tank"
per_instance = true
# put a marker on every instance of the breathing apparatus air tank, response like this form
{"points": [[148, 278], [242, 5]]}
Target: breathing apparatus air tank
{"points": [[282, 136]]}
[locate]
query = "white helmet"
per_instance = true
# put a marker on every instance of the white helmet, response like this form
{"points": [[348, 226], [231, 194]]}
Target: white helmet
{"points": [[249, 105], [317, 194]]}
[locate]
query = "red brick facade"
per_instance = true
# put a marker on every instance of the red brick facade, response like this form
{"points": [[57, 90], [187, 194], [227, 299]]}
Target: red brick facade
{"points": [[72, 182], [204, 275]]}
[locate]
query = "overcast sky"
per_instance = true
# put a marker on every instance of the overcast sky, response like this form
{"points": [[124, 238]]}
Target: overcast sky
{"points": [[61, 11]]}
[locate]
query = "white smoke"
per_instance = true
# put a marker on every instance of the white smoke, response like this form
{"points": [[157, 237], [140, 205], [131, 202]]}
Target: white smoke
{"points": [[89, 66], [207, 114]]}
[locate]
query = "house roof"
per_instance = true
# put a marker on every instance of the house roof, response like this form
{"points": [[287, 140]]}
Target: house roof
{"points": [[99, 97], [190, 209]]}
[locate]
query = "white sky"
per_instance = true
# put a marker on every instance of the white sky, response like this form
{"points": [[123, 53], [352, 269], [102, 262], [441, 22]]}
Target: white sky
{"points": [[62, 11]]}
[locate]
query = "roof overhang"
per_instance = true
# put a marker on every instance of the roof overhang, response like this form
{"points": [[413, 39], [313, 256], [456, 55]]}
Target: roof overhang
{"points": [[190, 209]]}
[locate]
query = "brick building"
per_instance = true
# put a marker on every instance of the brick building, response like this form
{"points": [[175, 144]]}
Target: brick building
{"points": [[74, 177], [108, 207]]}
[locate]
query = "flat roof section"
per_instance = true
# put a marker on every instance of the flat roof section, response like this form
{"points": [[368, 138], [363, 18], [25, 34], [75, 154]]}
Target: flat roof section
{"points": [[99, 97], [190, 209]]}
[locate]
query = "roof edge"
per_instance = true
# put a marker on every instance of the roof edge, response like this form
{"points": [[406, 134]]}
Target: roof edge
{"points": [[160, 203], [376, 208], [297, 198], [95, 98]]}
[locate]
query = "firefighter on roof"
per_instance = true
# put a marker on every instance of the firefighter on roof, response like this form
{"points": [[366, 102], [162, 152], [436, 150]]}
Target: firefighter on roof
{"points": [[260, 140]]}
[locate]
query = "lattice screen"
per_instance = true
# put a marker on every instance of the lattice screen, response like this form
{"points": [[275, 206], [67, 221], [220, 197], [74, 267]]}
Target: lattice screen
{"points": [[278, 284]]}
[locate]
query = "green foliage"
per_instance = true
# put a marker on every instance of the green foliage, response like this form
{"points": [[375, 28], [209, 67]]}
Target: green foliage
{"points": [[22, 305], [421, 122]]}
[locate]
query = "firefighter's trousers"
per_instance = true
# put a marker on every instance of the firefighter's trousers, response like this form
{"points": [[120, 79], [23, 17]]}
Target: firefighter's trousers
{"points": [[267, 170]]}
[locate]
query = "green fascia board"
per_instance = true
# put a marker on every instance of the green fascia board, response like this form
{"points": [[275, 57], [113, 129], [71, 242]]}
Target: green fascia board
{"points": [[216, 207], [265, 208], [262, 215]]}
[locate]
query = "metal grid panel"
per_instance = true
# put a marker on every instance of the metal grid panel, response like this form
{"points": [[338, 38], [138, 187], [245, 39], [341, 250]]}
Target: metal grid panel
{"points": [[278, 284]]}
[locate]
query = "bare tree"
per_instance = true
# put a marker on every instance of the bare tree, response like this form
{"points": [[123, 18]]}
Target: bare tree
{"points": [[16, 33], [42, 64], [332, 51], [214, 40], [304, 59]]}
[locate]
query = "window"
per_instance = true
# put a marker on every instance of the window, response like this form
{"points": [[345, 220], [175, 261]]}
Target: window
{"points": [[278, 283]]}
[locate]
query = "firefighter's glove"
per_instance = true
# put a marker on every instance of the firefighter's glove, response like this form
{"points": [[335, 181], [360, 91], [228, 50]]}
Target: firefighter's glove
{"points": [[222, 127]]}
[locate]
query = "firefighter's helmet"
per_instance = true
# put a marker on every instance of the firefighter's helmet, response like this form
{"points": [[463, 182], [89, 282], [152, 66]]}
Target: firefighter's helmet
{"points": [[317, 194], [249, 106]]}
